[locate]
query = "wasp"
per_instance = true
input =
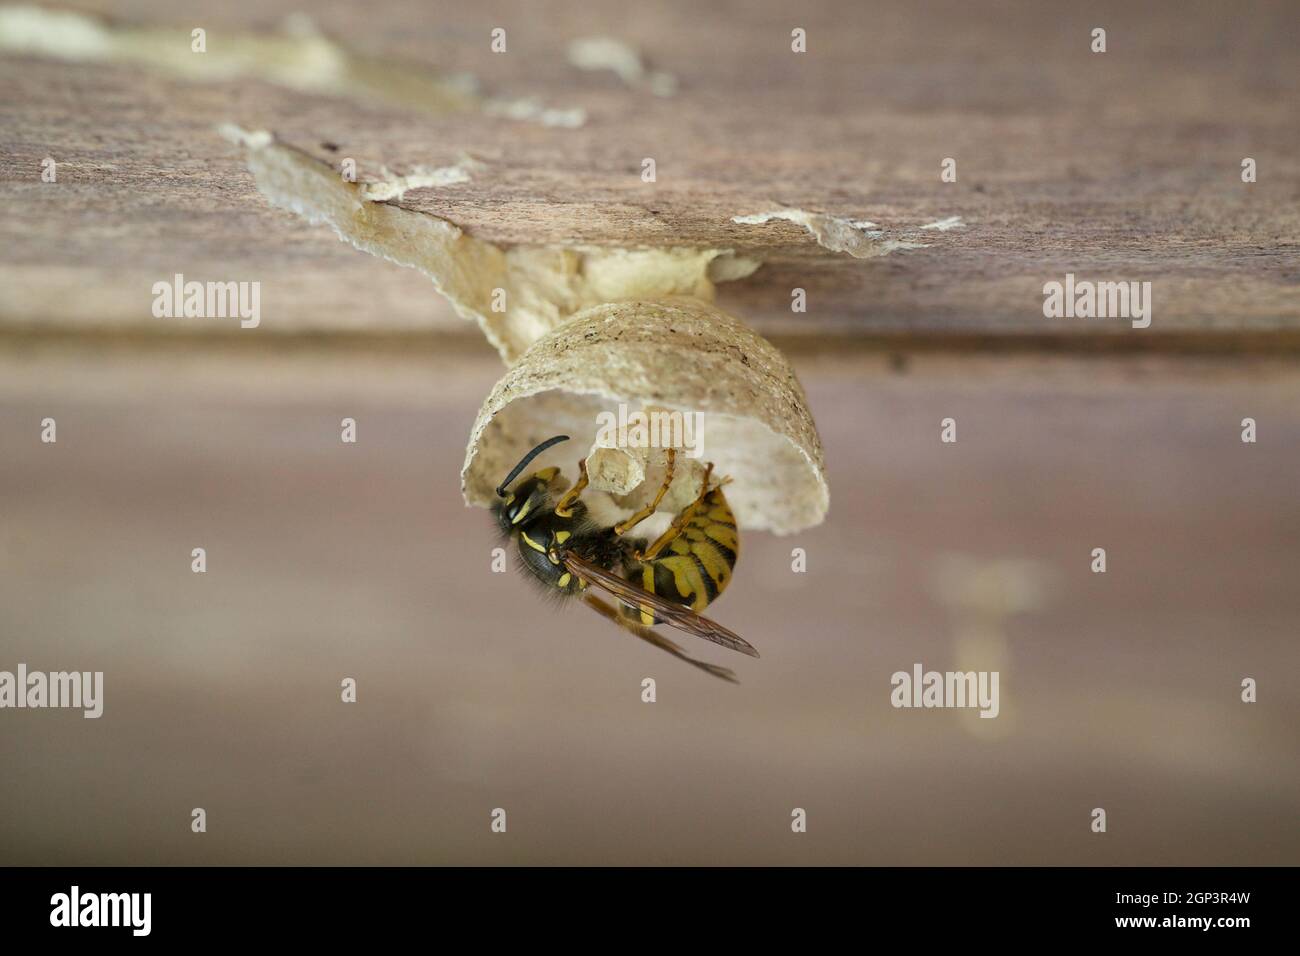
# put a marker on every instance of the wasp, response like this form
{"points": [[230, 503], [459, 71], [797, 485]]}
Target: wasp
{"points": [[665, 581]]}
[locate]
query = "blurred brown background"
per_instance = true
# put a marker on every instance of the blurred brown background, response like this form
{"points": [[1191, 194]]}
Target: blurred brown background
{"points": [[328, 560]]}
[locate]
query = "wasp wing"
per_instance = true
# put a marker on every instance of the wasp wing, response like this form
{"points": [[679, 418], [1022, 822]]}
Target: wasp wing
{"points": [[679, 616], [607, 610]]}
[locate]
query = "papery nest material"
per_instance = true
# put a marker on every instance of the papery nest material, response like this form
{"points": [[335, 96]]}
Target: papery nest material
{"points": [[585, 330], [675, 354]]}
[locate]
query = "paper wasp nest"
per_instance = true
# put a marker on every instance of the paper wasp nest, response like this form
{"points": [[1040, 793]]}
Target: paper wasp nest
{"points": [[675, 354], [655, 345]]}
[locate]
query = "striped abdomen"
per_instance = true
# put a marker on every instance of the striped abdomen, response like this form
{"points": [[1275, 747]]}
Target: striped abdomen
{"points": [[696, 567]]}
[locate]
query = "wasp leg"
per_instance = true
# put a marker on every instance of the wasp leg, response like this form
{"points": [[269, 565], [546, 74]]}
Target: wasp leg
{"points": [[605, 609], [681, 521], [623, 527], [565, 508]]}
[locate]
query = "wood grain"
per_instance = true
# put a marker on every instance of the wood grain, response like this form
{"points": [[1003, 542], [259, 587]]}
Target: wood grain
{"points": [[1122, 165]]}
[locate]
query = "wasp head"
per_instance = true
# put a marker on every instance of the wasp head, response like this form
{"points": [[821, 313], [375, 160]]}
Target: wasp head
{"points": [[526, 503]]}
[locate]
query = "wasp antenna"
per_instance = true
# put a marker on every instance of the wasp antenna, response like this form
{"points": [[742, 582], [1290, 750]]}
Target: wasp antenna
{"points": [[523, 463]]}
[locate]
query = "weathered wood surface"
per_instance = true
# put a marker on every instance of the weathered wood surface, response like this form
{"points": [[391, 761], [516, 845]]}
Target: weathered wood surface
{"points": [[1122, 165]]}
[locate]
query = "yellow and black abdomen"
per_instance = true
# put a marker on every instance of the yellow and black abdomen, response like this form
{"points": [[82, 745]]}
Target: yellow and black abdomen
{"points": [[696, 566]]}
